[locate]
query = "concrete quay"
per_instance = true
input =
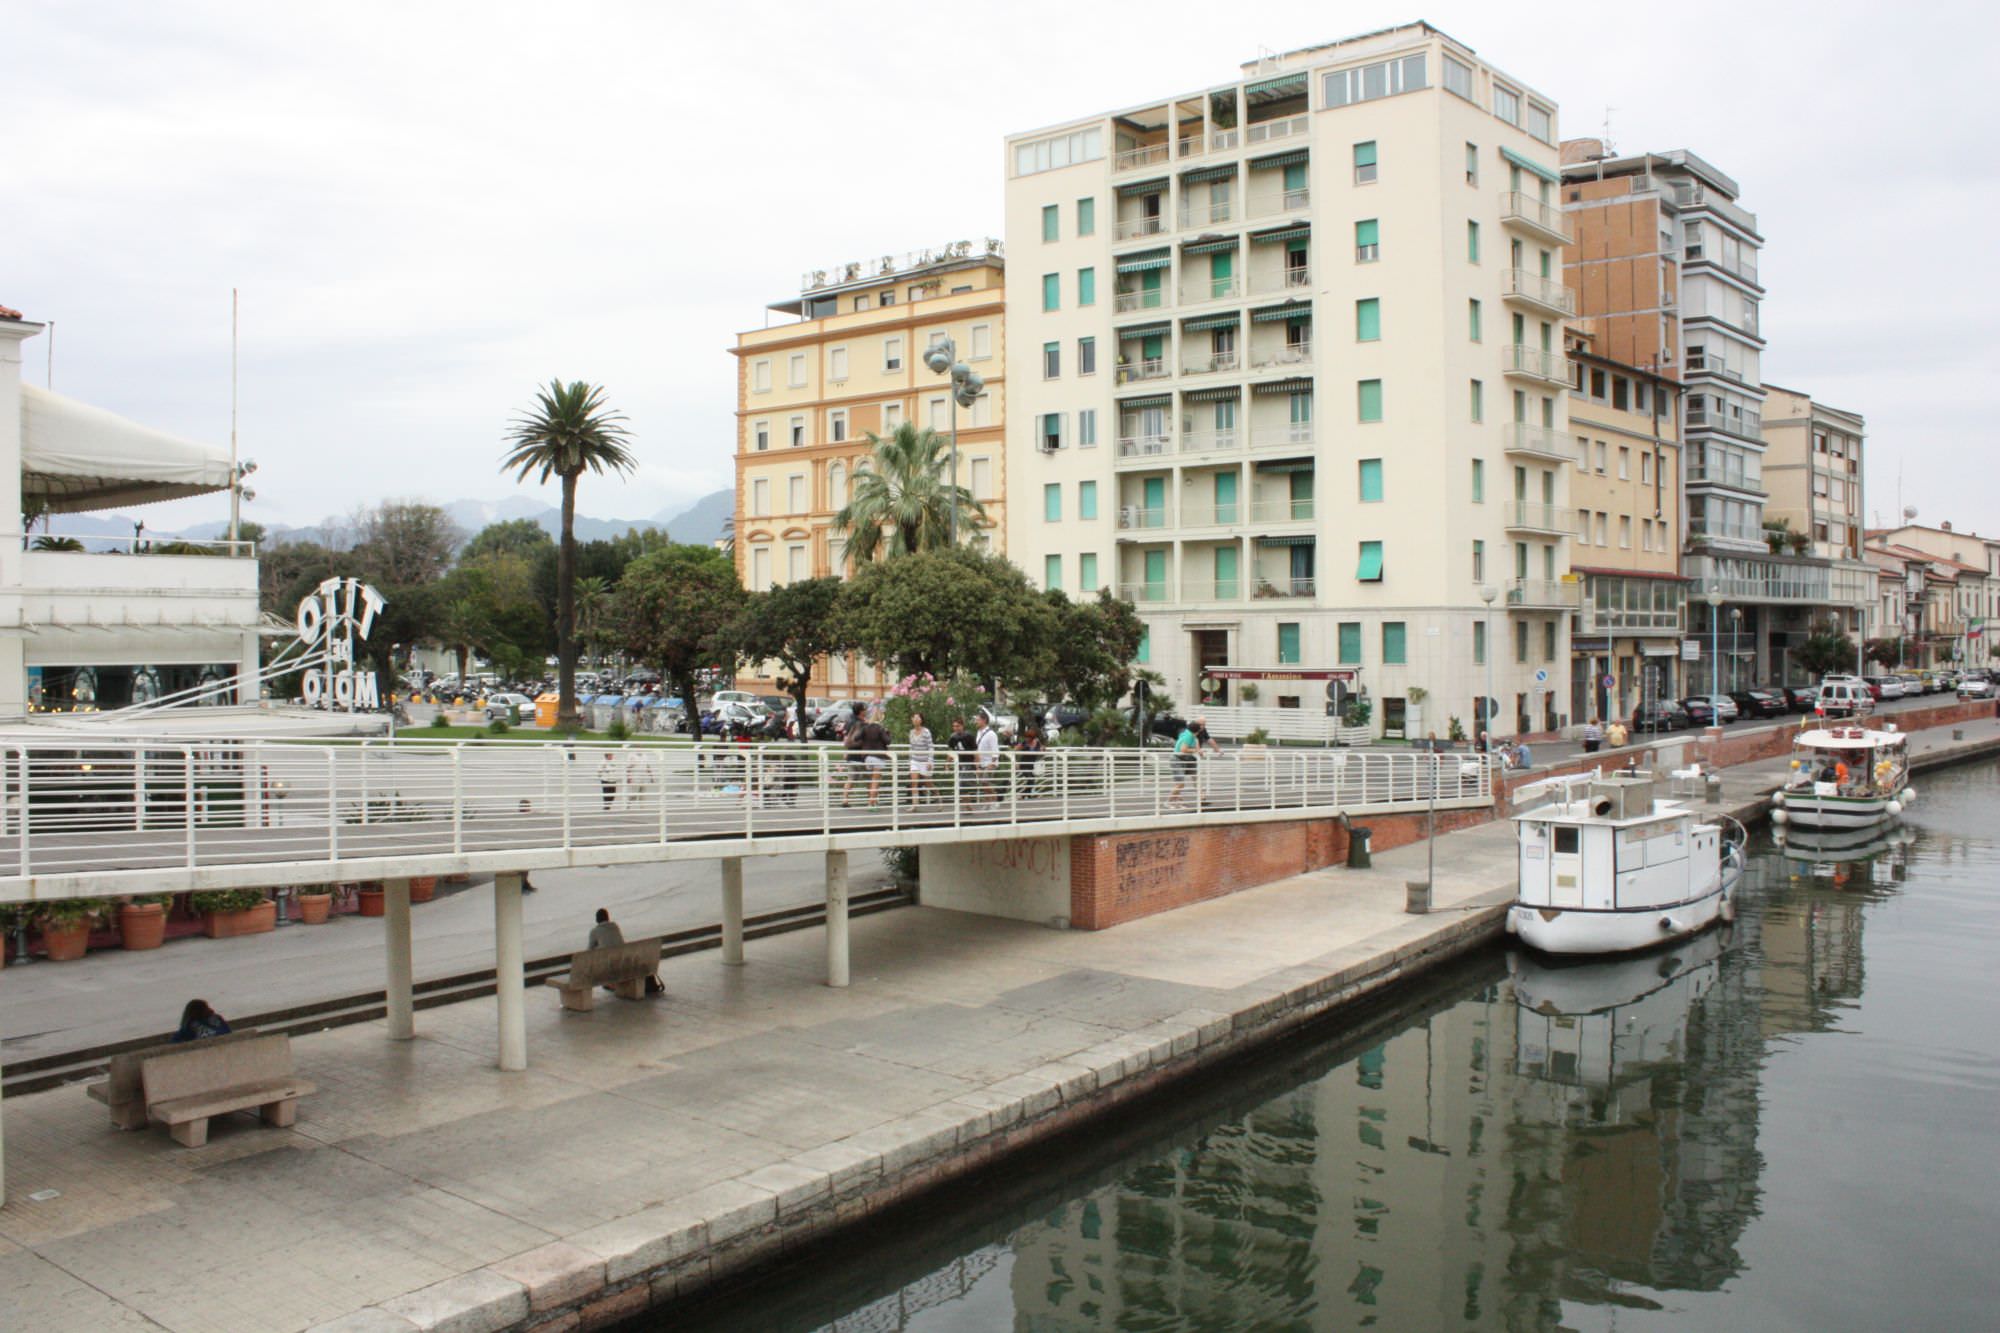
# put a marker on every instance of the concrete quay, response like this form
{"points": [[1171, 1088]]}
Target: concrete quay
{"points": [[653, 1149]]}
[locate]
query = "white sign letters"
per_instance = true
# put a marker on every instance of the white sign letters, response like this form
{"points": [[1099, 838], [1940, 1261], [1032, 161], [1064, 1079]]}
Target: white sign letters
{"points": [[332, 618]]}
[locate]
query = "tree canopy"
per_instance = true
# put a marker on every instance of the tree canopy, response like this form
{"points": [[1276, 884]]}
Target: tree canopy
{"points": [[669, 606], [950, 612], [793, 625]]}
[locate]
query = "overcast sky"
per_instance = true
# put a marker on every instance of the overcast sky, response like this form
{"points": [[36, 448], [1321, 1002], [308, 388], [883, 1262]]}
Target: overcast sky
{"points": [[429, 208]]}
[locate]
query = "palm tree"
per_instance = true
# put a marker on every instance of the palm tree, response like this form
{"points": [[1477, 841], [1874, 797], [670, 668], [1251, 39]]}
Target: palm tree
{"points": [[569, 429], [904, 494], [462, 627]]}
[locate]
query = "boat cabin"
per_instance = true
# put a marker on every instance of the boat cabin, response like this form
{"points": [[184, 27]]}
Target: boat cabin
{"points": [[1611, 847]]}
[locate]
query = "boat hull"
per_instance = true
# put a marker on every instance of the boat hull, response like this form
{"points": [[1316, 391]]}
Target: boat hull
{"points": [[1570, 931], [1806, 811]]}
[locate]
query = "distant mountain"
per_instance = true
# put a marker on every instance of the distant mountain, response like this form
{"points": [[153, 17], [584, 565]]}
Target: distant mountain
{"points": [[701, 523]]}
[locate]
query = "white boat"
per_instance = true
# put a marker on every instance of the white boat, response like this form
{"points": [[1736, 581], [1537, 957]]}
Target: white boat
{"points": [[1606, 868], [1845, 777]]}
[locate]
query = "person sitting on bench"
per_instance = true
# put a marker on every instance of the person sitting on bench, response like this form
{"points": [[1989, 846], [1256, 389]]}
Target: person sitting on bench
{"points": [[605, 934], [198, 1021]]}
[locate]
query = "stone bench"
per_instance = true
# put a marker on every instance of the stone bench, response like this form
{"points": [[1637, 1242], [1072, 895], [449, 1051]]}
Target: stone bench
{"points": [[622, 967], [120, 1089], [188, 1084]]}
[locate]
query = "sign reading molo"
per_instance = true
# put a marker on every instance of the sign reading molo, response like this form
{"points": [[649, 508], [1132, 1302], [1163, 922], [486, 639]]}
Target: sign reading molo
{"points": [[332, 619]]}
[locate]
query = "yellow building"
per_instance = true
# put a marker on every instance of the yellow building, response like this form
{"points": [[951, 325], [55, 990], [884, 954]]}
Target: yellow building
{"points": [[847, 364]]}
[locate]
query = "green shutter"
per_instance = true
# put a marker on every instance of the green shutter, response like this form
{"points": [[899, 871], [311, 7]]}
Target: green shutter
{"points": [[1151, 347], [1370, 568], [1086, 572], [1086, 500], [1302, 493], [1086, 217], [1149, 286], [1364, 154], [1288, 644], [1392, 643], [1052, 502], [1368, 232], [1145, 653], [1052, 571], [1350, 643], [1221, 267], [1371, 400], [1371, 480], [1051, 222], [1155, 489], [1052, 291], [1225, 571], [1156, 576], [1225, 497], [1086, 286], [1478, 480], [1295, 176], [1472, 242], [1368, 319], [1302, 408], [1472, 321]]}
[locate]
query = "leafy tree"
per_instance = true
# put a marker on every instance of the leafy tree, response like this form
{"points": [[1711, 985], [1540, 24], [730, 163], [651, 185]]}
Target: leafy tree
{"points": [[793, 625], [1887, 652], [669, 608], [569, 430], [903, 496], [1095, 642], [404, 549], [1826, 651], [593, 604], [462, 626], [950, 612], [514, 536]]}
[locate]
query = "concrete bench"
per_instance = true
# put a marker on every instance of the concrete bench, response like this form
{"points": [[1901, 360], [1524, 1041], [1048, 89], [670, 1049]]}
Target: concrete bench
{"points": [[120, 1089], [623, 967], [188, 1084]]}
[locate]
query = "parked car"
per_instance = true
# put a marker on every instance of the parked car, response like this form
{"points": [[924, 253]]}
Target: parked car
{"points": [[1914, 684], [1711, 710], [1661, 715], [1802, 697], [721, 697], [1060, 718], [497, 705], [1975, 685], [1761, 701], [1159, 726], [1886, 688], [832, 722], [1844, 698]]}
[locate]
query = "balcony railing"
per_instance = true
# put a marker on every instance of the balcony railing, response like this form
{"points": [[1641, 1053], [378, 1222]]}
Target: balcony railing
{"points": [[1212, 364], [1545, 593], [1128, 228], [1735, 477], [1293, 435], [1690, 195], [1283, 587], [1154, 298], [1213, 289], [1158, 590], [1145, 445], [1266, 131], [1750, 425], [1194, 145], [1211, 590], [1211, 441], [1226, 514], [1543, 293], [1544, 442], [1203, 215], [1146, 368], [1276, 203], [1533, 516], [1524, 210], [1139, 518], [1535, 364], [1281, 511], [1273, 281], [1283, 354], [1143, 156], [1727, 532]]}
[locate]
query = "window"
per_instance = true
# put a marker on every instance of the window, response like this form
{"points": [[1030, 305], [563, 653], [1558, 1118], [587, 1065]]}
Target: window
{"points": [[892, 354], [760, 497], [1086, 431], [1479, 643], [934, 337], [940, 419], [1086, 217], [1541, 123], [1086, 565], [836, 486], [1520, 641], [1052, 571], [1051, 361], [1478, 561], [862, 303], [1051, 222], [1086, 286], [795, 563], [892, 417], [1365, 83], [1603, 528], [1479, 481], [795, 377], [1394, 649], [1288, 643], [795, 494], [1477, 402], [1145, 650], [1368, 320], [760, 569], [762, 432], [1086, 356], [836, 425], [1370, 394], [1472, 164], [1473, 328], [1051, 431], [888, 298], [1625, 531], [1458, 78], [982, 342], [1600, 458], [1371, 480], [1472, 242], [1621, 393], [1350, 643], [1367, 241], [982, 479], [798, 431], [760, 377], [1624, 463], [1086, 499], [1582, 453], [836, 369], [1506, 104], [1364, 163], [1060, 151], [1370, 568], [1548, 640], [1052, 502], [1052, 291]]}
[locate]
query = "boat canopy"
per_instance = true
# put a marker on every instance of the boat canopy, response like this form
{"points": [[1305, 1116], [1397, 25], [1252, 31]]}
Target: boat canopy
{"points": [[1850, 738]]}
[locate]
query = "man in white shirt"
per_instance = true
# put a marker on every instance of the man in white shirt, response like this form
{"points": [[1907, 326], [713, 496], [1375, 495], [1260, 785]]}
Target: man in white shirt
{"points": [[989, 756]]}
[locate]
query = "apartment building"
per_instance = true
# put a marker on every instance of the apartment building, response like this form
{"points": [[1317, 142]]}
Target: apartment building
{"points": [[1291, 377], [1625, 485], [1963, 614], [847, 362], [1812, 474], [1664, 265]]}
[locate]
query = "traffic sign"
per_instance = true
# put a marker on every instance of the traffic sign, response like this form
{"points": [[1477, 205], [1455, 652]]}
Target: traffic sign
{"points": [[1609, 682], [1542, 677]]}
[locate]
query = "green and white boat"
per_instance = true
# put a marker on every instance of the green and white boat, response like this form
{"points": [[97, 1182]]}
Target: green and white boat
{"points": [[1845, 777]]}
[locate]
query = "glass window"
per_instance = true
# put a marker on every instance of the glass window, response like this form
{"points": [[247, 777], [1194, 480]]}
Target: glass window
{"points": [[763, 434], [837, 364], [1393, 646], [760, 377], [1052, 291], [1479, 481], [1086, 571], [1051, 431], [1479, 643], [1458, 78], [1052, 571], [1364, 162], [1365, 83], [796, 371], [982, 341], [1370, 393], [1472, 242], [1520, 641], [1051, 360], [1478, 402], [1367, 241], [1060, 151], [1350, 643], [1368, 319], [1145, 653], [1086, 217], [1086, 429], [1473, 328], [1478, 561], [1472, 164], [1051, 222], [1086, 356], [1506, 104], [1086, 499], [1052, 502], [1370, 568], [1541, 123], [1288, 643], [1371, 480], [892, 354], [1086, 286]]}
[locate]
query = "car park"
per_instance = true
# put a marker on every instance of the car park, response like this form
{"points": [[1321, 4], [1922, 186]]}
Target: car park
{"points": [[832, 722], [1916, 683], [1661, 715]]}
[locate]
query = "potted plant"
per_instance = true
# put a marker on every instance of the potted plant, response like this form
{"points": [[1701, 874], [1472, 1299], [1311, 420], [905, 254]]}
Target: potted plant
{"points": [[423, 888], [65, 924], [1249, 693], [142, 920], [370, 895], [227, 913], [315, 904]]}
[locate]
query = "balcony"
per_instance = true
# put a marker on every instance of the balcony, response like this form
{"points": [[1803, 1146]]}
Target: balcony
{"points": [[1146, 591], [1277, 203], [1214, 363], [1270, 130], [1145, 155], [1132, 228], [1549, 594], [1145, 445], [1704, 474], [1211, 441], [1281, 511], [1284, 587], [1226, 515], [1526, 213], [1283, 355], [1538, 293], [1213, 590], [1532, 363], [1146, 368], [1749, 534], [1208, 214], [1154, 298], [1140, 518], [1530, 516], [1747, 424], [1212, 289], [1543, 443], [1281, 281], [1293, 435]]}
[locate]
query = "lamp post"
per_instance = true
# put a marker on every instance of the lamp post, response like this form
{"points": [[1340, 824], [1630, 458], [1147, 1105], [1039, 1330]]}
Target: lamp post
{"points": [[1735, 624], [1487, 594], [966, 387], [1714, 600]]}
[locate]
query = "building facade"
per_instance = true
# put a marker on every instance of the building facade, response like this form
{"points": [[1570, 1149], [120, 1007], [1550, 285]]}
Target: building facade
{"points": [[847, 364], [1954, 618], [1813, 475], [1290, 376]]}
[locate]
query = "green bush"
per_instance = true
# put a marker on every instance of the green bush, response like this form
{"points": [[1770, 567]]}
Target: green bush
{"points": [[938, 701], [498, 727], [226, 900], [66, 911], [1104, 729], [439, 721], [902, 862], [1457, 731], [1258, 737], [144, 899], [617, 731]]}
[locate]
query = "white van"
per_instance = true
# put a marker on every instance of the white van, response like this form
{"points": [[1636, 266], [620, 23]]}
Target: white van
{"points": [[1844, 698]]}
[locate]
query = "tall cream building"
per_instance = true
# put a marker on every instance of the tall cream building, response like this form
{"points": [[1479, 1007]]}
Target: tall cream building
{"points": [[848, 361], [1289, 374]]}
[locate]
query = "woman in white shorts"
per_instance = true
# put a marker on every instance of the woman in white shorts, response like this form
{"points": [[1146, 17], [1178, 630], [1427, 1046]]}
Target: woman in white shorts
{"points": [[922, 754]]}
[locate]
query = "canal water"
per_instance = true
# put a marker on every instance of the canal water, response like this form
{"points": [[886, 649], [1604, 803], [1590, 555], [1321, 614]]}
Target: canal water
{"points": [[1793, 1123]]}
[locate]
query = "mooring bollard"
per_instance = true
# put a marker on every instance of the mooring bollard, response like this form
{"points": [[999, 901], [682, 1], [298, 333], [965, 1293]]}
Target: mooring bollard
{"points": [[1417, 896], [1958, 733]]}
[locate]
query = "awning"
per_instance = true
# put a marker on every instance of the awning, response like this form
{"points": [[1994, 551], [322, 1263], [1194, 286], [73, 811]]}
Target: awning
{"points": [[1529, 164], [1286, 465], [1286, 234], [1208, 174], [1371, 562], [1156, 400], [1290, 310], [1143, 187], [1139, 263], [75, 458], [1285, 386], [1212, 395], [1286, 541], [1144, 330], [1291, 159], [1210, 247], [1270, 90], [1212, 322]]}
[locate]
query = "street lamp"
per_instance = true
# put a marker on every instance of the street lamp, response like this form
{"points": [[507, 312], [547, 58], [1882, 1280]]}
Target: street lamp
{"points": [[1714, 600], [1487, 594], [966, 386], [1735, 624]]}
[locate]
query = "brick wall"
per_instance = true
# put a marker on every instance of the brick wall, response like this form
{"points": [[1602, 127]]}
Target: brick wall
{"points": [[1124, 876]]}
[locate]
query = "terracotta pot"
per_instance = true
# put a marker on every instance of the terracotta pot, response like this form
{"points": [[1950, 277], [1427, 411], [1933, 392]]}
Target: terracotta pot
{"points": [[249, 921], [371, 901], [423, 888], [314, 908], [142, 925], [65, 944]]}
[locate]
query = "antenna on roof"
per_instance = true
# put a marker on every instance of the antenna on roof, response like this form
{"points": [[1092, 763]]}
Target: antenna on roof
{"points": [[1609, 150]]}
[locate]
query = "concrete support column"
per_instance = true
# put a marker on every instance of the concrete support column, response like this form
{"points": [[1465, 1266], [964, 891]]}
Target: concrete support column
{"points": [[508, 968], [3, 1158], [401, 987], [836, 918], [732, 911]]}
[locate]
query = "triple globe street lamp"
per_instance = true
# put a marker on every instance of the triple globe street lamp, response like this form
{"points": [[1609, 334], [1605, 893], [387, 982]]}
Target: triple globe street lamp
{"points": [[966, 387]]}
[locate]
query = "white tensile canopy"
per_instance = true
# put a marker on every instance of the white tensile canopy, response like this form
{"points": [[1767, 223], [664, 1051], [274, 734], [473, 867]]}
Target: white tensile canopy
{"points": [[75, 458]]}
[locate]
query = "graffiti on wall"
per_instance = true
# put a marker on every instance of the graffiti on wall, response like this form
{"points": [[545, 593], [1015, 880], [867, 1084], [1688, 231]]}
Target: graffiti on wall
{"points": [[1036, 858], [1145, 866]]}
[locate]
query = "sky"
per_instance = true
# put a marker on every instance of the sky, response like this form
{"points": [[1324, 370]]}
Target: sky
{"points": [[430, 209]]}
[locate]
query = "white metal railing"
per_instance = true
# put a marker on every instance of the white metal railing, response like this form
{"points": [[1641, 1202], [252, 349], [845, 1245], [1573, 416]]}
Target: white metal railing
{"points": [[1281, 511], [1534, 516], [1221, 141], [1143, 156], [1210, 441], [1129, 228], [1283, 587], [1532, 212], [1194, 145], [1147, 368], [1150, 590], [1265, 131], [1143, 518], [1275, 203], [1211, 590], [118, 816], [1201, 215], [1144, 446], [1221, 515], [1211, 364], [1154, 298], [1518, 437], [1284, 354], [1289, 436], [1212, 289], [1521, 359], [100, 544], [1547, 293], [1544, 593]]}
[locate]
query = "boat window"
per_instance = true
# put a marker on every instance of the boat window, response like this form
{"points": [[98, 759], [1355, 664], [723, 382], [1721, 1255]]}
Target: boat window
{"points": [[1566, 840]]}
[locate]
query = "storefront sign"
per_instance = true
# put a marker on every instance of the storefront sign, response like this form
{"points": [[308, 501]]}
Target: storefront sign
{"points": [[1282, 673], [337, 614]]}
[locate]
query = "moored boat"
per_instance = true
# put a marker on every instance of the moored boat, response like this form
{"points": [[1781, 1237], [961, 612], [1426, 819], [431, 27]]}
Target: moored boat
{"points": [[1845, 777]]}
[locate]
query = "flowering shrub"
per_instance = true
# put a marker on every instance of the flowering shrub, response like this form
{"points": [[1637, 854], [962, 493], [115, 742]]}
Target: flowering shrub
{"points": [[939, 702]]}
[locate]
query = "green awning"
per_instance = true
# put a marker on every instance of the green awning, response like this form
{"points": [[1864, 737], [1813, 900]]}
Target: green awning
{"points": [[1211, 395], [1285, 386], [1271, 89], [1291, 310], [1157, 400], [1286, 541], [1144, 330], [1143, 187], [1208, 174], [1210, 247], [1291, 159], [1529, 164], [1371, 562], [1212, 322], [1287, 465], [1139, 263], [1288, 234]]}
